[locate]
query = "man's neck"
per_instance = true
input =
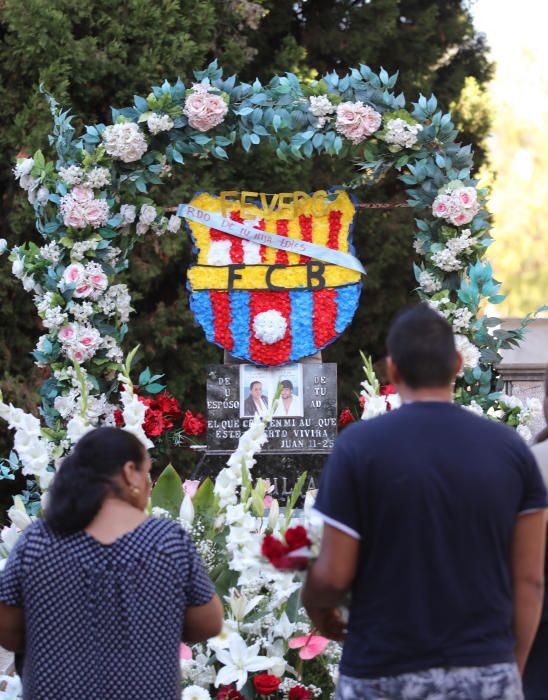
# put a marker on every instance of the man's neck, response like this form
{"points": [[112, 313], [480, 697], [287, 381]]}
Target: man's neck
{"points": [[409, 395]]}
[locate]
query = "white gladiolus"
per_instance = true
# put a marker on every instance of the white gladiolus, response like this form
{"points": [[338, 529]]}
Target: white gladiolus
{"points": [[186, 513], [77, 427], [274, 514], [18, 514]]}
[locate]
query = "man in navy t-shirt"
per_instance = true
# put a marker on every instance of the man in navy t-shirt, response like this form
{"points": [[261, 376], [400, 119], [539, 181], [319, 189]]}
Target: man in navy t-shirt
{"points": [[435, 522]]}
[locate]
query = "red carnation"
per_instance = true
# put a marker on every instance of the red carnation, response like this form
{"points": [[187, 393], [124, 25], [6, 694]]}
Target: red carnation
{"points": [[149, 402], [296, 537], [228, 692], [278, 553], [266, 684], [154, 424], [119, 418], [299, 692], [169, 405], [194, 425], [345, 418], [388, 389]]}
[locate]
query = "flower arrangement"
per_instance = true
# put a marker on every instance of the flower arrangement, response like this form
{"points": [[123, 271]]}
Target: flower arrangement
{"points": [[271, 316]]}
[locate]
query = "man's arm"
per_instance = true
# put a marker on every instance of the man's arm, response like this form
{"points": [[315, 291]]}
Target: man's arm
{"points": [[329, 580], [12, 628], [527, 564]]}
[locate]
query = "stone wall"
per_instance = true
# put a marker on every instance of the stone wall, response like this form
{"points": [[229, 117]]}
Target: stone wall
{"points": [[523, 369]]}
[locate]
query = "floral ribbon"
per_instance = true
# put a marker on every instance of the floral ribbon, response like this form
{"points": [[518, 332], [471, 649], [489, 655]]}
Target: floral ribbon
{"points": [[291, 245]]}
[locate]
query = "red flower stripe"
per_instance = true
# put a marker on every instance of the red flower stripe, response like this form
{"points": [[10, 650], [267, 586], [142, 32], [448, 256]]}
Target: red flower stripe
{"points": [[305, 223], [220, 302], [325, 316], [282, 226], [335, 218], [279, 352], [237, 246], [261, 224]]}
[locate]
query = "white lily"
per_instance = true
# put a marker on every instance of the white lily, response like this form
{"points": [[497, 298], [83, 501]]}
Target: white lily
{"points": [[238, 661], [240, 604]]}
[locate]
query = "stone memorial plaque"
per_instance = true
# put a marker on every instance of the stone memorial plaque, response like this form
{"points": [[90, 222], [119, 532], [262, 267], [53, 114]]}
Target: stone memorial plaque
{"points": [[305, 420]]}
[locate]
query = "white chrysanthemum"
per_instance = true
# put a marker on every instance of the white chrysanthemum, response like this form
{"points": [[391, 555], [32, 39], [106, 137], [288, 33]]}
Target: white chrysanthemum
{"points": [[461, 319], [446, 260], [97, 178], [525, 432], [400, 133], [51, 252], [269, 326], [429, 282], [321, 107], [159, 122], [470, 353], [71, 175], [125, 141]]}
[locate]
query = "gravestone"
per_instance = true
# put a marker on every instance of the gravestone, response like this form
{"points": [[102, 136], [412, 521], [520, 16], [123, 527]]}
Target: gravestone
{"points": [[301, 433]]}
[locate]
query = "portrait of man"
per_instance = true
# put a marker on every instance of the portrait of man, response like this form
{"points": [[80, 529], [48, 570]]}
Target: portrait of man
{"points": [[256, 402], [286, 404]]}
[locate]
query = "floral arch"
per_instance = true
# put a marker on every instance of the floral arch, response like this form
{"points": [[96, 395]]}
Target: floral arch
{"points": [[92, 204]]}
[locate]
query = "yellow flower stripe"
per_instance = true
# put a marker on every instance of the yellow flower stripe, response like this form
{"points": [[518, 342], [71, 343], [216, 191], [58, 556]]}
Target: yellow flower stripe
{"points": [[320, 224], [255, 277]]}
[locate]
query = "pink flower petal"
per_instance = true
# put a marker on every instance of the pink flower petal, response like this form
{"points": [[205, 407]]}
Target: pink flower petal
{"points": [[311, 646], [185, 652]]}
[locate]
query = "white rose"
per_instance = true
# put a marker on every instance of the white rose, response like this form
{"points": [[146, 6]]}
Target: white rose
{"points": [[128, 213], [147, 214], [174, 224]]}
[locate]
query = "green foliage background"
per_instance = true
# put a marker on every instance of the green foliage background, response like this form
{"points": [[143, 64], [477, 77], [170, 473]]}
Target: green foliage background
{"points": [[96, 53]]}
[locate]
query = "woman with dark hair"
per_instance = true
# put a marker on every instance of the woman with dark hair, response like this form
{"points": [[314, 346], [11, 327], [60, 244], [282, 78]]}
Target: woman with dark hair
{"points": [[97, 595], [535, 677]]}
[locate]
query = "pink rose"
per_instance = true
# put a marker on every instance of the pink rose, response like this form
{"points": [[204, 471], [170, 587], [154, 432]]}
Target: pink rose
{"points": [[467, 196], [463, 217], [75, 217], [190, 487], [440, 207], [356, 121], [204, 110], [77, 355], [82, 194], [83, 291], [99, 281], [97, 213], [86, 341], [66, 333], [74, 274]]}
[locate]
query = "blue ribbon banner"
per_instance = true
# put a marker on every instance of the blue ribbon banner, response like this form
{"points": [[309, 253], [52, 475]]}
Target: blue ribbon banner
{"points": [[273, 240]]}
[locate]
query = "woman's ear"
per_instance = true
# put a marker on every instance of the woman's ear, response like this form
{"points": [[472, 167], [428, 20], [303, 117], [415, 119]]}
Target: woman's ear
{"points": [[130, 475]]}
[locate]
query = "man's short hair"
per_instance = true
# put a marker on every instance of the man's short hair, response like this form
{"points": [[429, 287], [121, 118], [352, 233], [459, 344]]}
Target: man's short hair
{"points": [[422, 345], [253, 384], [286, 384]]}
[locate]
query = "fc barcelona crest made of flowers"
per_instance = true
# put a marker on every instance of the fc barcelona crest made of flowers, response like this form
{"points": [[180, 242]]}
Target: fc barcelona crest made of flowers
{"points": [[275, 278]]}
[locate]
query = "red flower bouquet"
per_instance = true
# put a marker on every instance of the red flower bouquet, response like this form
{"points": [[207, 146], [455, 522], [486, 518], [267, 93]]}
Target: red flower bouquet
{"points": [[291, 555]]}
